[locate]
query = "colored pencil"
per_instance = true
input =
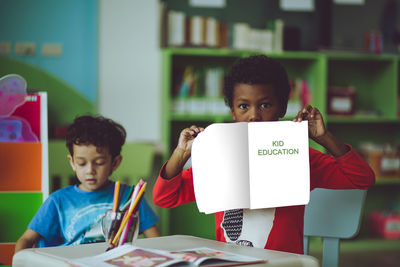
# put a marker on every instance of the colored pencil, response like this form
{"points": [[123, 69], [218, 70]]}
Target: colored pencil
{"points": [[126, 204], [116, 195], [115, 221], [126, 230], [133, 194]]}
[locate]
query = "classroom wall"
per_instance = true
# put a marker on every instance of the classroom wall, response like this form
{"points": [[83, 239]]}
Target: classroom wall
{"points": [[71, 23], [129, 66], [110, 53]]}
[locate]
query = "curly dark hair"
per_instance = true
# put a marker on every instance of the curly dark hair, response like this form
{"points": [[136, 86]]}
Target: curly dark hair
{"points": [[258, 69], [98, 131]]}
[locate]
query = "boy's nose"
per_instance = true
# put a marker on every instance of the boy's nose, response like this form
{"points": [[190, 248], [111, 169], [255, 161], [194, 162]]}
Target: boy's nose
{"points": [[254, 115], [90, 168]]}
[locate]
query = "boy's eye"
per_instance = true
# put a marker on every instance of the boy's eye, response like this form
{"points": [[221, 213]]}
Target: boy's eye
{"points": [[100, 162], [265, 105], [81, 163], [243, 106]]}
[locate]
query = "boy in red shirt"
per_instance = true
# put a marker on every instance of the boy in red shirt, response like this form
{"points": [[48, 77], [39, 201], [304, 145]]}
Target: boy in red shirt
{"points": [[257, 89]]}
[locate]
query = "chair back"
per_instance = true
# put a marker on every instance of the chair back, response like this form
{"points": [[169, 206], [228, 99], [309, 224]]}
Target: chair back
{"points": [[332, 215]]}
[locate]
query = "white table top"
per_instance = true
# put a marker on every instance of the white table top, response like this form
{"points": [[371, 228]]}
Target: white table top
{"points": [[57, 256]]}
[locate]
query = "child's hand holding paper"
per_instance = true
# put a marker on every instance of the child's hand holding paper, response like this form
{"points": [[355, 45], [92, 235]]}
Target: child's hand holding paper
{"points": [[182, 152], [187, 137]]}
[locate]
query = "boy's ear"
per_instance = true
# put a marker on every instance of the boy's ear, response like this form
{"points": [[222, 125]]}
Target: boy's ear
{"points": [[116, 162], [71, 161], [283, 111]]}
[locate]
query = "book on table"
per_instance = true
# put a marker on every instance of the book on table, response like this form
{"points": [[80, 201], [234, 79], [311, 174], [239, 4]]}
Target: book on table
{"points": [[130, 255], [251, 165]]}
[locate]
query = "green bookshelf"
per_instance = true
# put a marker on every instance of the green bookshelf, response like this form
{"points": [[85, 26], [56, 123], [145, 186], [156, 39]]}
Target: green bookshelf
{"points": [[375, 120]]}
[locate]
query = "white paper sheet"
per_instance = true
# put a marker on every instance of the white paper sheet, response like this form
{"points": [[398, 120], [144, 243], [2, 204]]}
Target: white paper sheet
{"points": [[232, 168]]}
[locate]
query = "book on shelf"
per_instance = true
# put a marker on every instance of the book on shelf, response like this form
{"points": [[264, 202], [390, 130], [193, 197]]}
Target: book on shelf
{"points": [[193, 81], [300, 95], [195, 34], [212, 32], [224, 35], [240, 35], [278, 35], [251, 165], [195, 31], [198, 90], [244, 37], [130, 255], [203, 31], [176, 28]]}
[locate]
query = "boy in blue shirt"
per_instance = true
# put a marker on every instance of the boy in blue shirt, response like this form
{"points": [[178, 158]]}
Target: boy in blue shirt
{"points": [[72, 215]]}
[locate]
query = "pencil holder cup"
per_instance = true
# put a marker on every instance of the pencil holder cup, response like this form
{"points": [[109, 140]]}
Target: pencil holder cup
{"points": [[112, 222]]}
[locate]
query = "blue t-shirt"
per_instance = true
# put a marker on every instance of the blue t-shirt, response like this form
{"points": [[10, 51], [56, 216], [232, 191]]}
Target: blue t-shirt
{"points": [[71, 216]]}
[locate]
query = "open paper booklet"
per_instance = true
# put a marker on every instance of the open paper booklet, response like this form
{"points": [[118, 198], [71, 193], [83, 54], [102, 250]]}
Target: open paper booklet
{"points": [[129, 255], [251, 165]]}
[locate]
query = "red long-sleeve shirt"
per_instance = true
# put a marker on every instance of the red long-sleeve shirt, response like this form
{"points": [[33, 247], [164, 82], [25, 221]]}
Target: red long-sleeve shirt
{"points": [[277, 228]]}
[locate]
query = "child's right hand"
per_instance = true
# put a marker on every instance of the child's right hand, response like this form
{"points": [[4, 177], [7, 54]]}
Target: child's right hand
{"points": [[181, 153], [187, 137]]}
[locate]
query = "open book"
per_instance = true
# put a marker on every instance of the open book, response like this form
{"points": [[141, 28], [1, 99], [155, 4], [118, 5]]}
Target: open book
{"points": [[251, 165], [129, 255]]}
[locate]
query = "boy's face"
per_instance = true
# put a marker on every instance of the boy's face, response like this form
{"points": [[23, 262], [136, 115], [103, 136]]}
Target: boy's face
{"points": [[93, 166], [255, 102]]}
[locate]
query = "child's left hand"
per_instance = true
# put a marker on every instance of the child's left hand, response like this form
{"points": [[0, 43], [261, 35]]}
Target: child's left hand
{"points": [[316, 126]]}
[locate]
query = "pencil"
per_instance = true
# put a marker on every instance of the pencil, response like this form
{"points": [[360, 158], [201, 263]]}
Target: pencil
{"points": [[122, 190], [126, 204], [131, 193], [126, 230], [115, 222], [131, 209], [134, 194], [116, 195]]}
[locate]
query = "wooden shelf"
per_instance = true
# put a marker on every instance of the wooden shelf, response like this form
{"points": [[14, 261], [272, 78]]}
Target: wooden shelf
{"points": [[358, 56], [201, 117], [361, 119], [222, 52]]}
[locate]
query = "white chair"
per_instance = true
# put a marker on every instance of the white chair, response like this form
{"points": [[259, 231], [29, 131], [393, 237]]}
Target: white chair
{"points": [[332, 215]]}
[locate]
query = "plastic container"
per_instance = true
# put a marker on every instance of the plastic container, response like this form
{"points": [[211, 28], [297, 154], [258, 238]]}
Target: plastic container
{"points": [[341, 100]]}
